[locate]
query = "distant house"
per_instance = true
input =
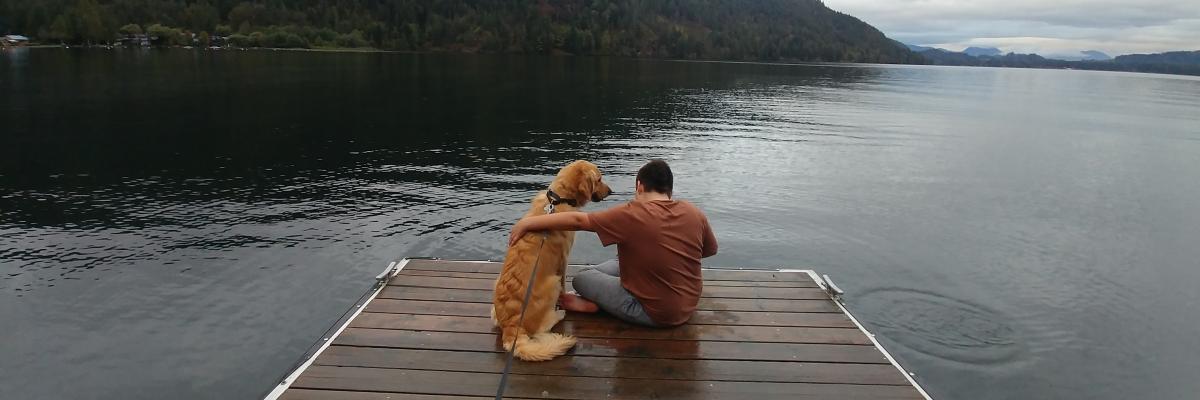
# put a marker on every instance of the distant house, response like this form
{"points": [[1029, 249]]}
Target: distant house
{"points": [[15, 40], [135, 40]]}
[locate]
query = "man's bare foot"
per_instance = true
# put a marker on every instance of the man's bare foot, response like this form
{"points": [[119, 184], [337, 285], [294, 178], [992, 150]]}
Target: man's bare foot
{"points": [[572, 302]]}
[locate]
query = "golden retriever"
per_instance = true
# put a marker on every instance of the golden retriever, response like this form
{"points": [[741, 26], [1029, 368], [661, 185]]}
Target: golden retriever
{"points": [[579, 182]]}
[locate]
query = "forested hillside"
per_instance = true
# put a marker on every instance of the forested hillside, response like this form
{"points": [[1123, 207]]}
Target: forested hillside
{"points": [[801, 30]]}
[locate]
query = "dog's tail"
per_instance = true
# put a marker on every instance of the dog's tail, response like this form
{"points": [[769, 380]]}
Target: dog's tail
{"points": [[540, 347]]}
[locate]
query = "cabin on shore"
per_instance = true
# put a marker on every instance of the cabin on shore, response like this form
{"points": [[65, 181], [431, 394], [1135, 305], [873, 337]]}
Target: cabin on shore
{"points": [[134, 40], [15, 40]]}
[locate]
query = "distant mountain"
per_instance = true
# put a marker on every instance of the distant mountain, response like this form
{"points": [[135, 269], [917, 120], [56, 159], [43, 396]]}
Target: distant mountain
{"points": [[1095, 55], [946, 57], [1087, 55], [916, 48], [982, 51], [1176, 62], [1174, 57]]}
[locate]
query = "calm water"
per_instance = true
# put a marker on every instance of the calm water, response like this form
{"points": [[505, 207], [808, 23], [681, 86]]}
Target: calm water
{"points": [[184, 225]]}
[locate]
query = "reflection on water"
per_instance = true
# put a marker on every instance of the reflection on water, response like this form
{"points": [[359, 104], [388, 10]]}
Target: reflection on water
{"points": [[187, 223]]}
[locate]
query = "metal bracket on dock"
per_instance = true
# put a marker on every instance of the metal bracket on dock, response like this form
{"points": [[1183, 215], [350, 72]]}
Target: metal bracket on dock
{"points": [[831, 288], [387, 274]]}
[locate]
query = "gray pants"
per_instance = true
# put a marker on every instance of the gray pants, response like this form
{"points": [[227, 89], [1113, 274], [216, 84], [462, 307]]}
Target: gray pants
{"points": [[602, 285]]}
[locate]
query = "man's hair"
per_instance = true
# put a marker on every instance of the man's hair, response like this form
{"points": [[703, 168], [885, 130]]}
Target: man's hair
{"points": [[656, 176]]}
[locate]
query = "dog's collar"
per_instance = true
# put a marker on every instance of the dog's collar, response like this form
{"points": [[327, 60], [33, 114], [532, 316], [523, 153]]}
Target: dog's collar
{"points": [[555, 199]]}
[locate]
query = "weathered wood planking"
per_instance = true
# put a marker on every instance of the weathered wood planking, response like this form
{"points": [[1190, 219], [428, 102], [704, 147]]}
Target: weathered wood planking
{"points": [[708, 280], [423, 381], [709, 274], [603, 328], [702, 317], [617, 367], [735, 292], [761, 335], [678, 349]]}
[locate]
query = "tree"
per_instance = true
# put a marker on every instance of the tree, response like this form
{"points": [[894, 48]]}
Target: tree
{"points": [[240, 40], [205, 40], [200, 16], [61, 29], [167, 35], [130, 29], [352, 39], [91, 22]]}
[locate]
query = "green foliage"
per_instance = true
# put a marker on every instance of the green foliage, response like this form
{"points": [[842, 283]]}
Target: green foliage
{"points": [[93, 24], [84, 21], [200, 16], [167, 35], [61, 29], [353, 39], [801, 30], [130, 29], [240, 40]]}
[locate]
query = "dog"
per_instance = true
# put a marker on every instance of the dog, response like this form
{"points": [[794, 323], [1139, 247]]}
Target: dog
{"points": [[579, 182]]}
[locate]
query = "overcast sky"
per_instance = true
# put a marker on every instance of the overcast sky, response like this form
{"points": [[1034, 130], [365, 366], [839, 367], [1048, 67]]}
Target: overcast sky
{"points": [[1036, 26]]}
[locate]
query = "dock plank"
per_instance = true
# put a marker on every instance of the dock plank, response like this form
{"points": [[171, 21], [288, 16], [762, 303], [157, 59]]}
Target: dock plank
{"points": [[708, 281], [574, 387], [719, 304], [621, 347], [610, 328], [701, 317], [709, 274], [709, 291], [616, 367], [407, 287]]}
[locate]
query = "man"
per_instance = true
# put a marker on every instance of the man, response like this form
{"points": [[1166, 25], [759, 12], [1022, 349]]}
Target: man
{"points": [[655, 280]]}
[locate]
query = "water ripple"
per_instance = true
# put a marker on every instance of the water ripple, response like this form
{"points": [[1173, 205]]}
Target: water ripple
{"points": [[944, 327]]}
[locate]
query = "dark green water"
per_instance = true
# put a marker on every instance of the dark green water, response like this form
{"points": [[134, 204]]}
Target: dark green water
{"points": [[179, 224]]}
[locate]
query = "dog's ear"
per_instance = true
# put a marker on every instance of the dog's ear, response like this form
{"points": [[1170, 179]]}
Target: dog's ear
{"points": [[585, 184]]}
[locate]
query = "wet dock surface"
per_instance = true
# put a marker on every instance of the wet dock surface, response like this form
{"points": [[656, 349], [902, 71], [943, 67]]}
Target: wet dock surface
{"points": [[757, 334]]}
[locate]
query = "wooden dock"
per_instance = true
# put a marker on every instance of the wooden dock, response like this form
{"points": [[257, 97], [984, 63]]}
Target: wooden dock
{"points": [[426, 334]]}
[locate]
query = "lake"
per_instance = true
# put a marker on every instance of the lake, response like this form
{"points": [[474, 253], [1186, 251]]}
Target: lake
{"points": [[185, 224]]}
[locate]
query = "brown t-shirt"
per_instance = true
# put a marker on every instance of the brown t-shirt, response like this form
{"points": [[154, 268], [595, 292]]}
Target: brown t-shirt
{"points": [[659, 246]]}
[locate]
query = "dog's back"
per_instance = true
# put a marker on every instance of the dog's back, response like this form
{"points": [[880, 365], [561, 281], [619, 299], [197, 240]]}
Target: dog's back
{"points": [[549, 252]]}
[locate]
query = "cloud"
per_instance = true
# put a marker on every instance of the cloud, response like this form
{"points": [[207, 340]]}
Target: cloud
{"points": [[1060, 26]]}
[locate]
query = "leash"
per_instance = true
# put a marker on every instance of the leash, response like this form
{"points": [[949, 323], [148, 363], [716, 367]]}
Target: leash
{"points": [[528, 292]]}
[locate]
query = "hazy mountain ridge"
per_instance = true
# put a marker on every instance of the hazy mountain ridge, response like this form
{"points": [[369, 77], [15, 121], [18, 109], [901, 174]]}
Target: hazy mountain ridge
{"points": [[982, 51], [1176, 62]]}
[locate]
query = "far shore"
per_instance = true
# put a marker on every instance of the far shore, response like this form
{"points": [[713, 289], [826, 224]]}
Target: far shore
{"points": [[319, 49], [445, 51]]}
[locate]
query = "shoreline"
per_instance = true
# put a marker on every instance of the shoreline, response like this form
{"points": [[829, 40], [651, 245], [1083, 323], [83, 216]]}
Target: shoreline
{"points": [[780, 62]]}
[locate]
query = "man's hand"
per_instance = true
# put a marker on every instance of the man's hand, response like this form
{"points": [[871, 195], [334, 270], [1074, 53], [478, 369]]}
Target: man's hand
{"points": [[518, 231]]}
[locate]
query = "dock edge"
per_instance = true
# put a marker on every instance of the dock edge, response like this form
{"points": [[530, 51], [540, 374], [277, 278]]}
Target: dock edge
{"points": [[828, 289], [393, 268]]}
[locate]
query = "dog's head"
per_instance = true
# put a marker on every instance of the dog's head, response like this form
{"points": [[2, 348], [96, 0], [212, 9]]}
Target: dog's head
{"points": [[582, 181]]}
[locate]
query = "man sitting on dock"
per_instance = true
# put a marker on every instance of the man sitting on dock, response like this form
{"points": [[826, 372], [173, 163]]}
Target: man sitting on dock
{"points": [[656, 279]]}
